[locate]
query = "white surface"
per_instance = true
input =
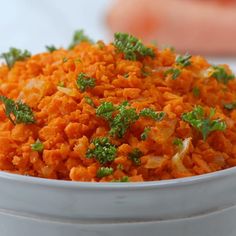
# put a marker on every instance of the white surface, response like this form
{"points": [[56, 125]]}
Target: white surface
{"points": [[32, 24]]}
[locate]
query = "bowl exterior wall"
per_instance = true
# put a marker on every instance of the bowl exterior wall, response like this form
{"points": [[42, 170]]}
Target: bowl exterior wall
{"points": [[159, 202]]}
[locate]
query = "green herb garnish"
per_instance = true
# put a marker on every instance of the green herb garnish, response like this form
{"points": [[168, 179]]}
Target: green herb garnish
{"points": [[175, 72], [89, 101], [121, 117], [21, 112], [14, 55], [84, 82], [230, 106], [196, 91], [145, 133], [51, 48], [123, 120], [104, 171], [178, 142], [132, 47], [103, 150], [205, 125], [135, 156], [221, 75], [79, 37], [184, 60], [120, 122], [123, 179], [37, 146], [105, 110], [148, 112]]}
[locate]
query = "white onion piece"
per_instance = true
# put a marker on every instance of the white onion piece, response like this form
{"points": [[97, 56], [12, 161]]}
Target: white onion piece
{"points": [[154, 162], [67, 91], [177, 159]]}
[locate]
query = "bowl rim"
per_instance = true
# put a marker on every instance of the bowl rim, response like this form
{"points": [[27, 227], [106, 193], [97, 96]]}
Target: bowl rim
{"points": [[113, 186]]}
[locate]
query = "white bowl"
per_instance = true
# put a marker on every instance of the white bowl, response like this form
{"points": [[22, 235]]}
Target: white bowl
{"points": [[187, 206]]}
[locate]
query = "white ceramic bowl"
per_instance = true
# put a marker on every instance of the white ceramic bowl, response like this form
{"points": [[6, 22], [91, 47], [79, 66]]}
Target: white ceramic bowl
{"points": [[200, 205]]}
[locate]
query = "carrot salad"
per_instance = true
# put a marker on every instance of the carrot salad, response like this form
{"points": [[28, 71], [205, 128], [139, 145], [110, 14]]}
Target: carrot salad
{"points": [[115, 112]]}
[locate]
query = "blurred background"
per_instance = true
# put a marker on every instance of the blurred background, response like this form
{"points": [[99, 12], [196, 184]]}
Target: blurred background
{"points": [[205, 27]]}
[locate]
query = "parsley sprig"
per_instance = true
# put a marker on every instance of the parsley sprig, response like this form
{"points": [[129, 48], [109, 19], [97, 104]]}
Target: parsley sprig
{"points": [[196, 91], [122, 179], [150, 113], [37, 146], [132, 47], [221, 75], [84, 82], [89, 101], [135, 155], [104, 171], [50, 48], [121, 121], [103, 150], [204, 124], [175, 72], [121, 117], [79, 37], [145, 133], [178, 142], [14, 55], [183, 60], [17, 112]]}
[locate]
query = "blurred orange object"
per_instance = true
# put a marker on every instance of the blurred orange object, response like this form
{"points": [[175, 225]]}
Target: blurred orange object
{"points": [[204, 27]]}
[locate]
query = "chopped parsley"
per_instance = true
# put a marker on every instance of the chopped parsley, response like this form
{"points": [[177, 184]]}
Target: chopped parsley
{"points": [[103, 150], [204, 124], [148, 112], [105, 110], [89, 101], [14, 55], [175, 72], [104, 171], [121, 117], [184, 60], [84, 82], [196, 91], [126, 75], [123, 120], [79, 37], [51, 48], [135, 156], [230, 106], [178, 142], [17, 112], [120, 122], [132, 47], [123, 179], [144, 134], [221, 75], [37, 146]]}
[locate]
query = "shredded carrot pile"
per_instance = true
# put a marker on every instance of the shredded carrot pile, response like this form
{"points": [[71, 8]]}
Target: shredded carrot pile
{"points": [[67, 120]]}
